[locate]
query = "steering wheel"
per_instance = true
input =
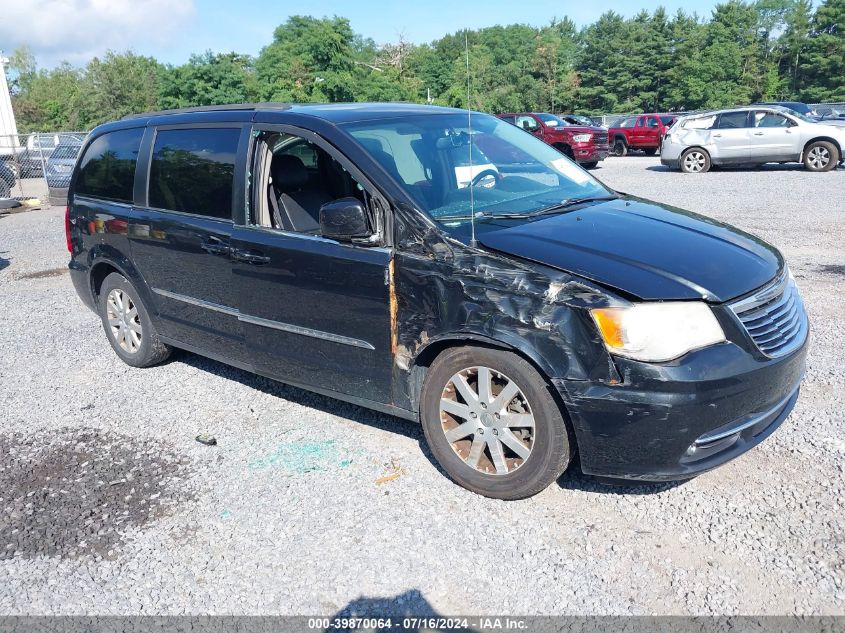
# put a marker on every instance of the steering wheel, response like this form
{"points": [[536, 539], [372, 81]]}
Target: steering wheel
{"points": [[485, 174]]}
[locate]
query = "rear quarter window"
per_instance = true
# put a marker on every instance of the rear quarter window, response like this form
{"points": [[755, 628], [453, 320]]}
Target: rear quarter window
{"points": [[107, 170], [193, 170]]}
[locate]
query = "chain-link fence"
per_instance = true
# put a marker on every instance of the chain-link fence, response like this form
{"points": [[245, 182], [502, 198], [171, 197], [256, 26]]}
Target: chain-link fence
{"points": [[36, 168]]}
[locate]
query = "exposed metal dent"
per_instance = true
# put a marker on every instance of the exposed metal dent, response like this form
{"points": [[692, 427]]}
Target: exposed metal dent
{"points": [[448, 290]]}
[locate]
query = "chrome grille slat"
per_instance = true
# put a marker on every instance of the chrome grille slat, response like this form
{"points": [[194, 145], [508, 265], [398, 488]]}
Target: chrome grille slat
{"points": [[774, 317], [773, 326], [772, 312]]}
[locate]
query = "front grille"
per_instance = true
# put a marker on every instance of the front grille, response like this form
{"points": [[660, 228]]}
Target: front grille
{"points": [[774, 317], [600, 138]]}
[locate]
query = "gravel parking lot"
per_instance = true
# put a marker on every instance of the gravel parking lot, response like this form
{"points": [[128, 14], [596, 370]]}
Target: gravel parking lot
{"points": [[308, 505]]}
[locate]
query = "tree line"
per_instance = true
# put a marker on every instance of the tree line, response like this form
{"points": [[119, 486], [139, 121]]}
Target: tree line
{"points": [[744, 51]]}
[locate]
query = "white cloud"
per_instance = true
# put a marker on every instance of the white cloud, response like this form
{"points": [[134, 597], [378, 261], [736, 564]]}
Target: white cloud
{"points": [[77, 30]]}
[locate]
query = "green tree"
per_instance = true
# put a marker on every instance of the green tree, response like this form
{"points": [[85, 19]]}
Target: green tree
{"points": [[309, 59], [208, 79], [822, 70], [119, 84]]}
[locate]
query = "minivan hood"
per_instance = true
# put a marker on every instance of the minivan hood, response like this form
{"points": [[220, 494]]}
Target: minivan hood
{"points": [[649, 250]]}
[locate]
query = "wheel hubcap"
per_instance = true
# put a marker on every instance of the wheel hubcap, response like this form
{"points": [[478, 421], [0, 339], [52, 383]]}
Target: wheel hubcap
{"points": [[124, 320], [819, 157], [487, 420], [694, 161]]}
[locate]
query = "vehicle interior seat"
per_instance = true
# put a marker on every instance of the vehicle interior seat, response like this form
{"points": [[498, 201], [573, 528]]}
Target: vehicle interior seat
{"points": [[299, 207]]}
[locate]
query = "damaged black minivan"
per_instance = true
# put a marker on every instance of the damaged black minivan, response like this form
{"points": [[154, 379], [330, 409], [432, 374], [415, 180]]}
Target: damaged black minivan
{"points": [[444, 267]]}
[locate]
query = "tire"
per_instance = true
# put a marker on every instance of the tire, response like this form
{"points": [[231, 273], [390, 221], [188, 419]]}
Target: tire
{"points": [[650, 151], [620, 147], [695, 161], [565, 150], [591, 165], [122, 310], [821, 156], [545, 448]]}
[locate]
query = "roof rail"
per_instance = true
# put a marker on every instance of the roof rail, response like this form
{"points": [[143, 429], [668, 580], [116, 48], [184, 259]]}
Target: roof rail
{"points": [[211, 108]]}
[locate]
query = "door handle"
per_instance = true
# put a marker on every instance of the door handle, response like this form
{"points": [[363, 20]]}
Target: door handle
{"points": [[717, 136], [215, 248], [758, 134], [250, 257]]}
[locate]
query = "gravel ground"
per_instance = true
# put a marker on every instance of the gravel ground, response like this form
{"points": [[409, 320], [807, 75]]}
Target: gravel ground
{"points": [[306, 505]]}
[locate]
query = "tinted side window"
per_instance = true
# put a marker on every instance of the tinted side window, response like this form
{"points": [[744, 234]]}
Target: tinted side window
{"points": [[107, 170], [192, 171], [510, 119], [730, 120]]}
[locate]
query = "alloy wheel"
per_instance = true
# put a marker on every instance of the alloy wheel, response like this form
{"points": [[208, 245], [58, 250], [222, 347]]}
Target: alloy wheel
{"points": [[819, 157], [694, 161], [487, 420], [124, 320]]}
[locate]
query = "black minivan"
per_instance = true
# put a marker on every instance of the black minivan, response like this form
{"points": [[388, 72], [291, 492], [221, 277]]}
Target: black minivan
{"points": [[445, 267]]}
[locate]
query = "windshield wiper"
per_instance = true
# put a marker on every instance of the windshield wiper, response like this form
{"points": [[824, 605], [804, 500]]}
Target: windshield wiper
{"points": [[571, 203]]}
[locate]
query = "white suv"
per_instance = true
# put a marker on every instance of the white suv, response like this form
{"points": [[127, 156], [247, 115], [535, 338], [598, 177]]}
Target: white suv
{"points": [[751, 136]]}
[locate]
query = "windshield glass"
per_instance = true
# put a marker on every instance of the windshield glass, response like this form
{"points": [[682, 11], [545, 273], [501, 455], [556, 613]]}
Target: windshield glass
{"points": [[511, 171], [551, 120]]}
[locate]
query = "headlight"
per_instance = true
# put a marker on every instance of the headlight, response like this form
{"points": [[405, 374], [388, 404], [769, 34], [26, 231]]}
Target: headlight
{"points": [[657, 332], [581, 138]]}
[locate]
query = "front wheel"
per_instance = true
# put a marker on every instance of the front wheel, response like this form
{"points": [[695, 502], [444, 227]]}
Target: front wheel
{"points": [[492, 423], [591, 165], [620, 147], [821, 156], [650, 151], [127, 324], [695, 161]]}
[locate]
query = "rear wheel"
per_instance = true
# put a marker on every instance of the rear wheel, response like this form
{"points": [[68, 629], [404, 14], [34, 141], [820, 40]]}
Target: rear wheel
{"points": [[620, 147], [695, 161], [127, 323], [821, 156], [591, 165], [492, 423], [650, 151]]}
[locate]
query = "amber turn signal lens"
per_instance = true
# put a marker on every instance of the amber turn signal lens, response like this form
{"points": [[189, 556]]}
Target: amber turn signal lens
{"points": [[609, 322]]}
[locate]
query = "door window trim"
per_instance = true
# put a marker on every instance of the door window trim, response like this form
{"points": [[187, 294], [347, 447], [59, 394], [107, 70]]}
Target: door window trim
{"points": [[380, 201]]}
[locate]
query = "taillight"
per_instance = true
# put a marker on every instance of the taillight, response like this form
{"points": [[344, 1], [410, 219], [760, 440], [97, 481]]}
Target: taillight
{"points": [[67, 230]]}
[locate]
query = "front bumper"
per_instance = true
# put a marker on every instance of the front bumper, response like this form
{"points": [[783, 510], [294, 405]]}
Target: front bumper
{"points": [[590, 153], [676, 420]]}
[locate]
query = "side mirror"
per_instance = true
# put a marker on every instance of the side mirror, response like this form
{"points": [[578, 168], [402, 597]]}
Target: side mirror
{"points": [[344, 220]]}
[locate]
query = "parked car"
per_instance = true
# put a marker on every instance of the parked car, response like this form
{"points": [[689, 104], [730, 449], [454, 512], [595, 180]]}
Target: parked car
{"points": [[795, 106], [831, 115], [61, 162], [59, 169], [640, 132], [7, 180], [751, 135], [519, 323], [585, 144], [580, 119]]}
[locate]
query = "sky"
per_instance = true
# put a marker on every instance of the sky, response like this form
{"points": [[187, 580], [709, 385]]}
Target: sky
{"points": [[170, 30]]}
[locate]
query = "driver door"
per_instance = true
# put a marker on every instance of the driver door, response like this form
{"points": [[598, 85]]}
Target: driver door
{"points": [[315, 312]]}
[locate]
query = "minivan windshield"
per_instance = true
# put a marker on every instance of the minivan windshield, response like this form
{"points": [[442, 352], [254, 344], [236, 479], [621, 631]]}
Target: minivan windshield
{"points": [[512, 172]]}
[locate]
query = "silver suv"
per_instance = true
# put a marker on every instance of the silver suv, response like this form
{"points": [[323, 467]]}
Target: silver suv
{"points": [[751, 136]]}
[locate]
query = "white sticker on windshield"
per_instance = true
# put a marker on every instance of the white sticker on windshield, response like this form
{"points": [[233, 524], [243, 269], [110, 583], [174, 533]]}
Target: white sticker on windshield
{"points": [[551, 123], [571, 171]]}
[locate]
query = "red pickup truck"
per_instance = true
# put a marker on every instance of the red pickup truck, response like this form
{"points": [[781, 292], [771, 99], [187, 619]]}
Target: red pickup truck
{"points": [[584, 144], [641, 131]]}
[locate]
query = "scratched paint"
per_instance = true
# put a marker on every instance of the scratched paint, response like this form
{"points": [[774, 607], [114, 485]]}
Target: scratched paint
{"points": [[303, 457]]}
